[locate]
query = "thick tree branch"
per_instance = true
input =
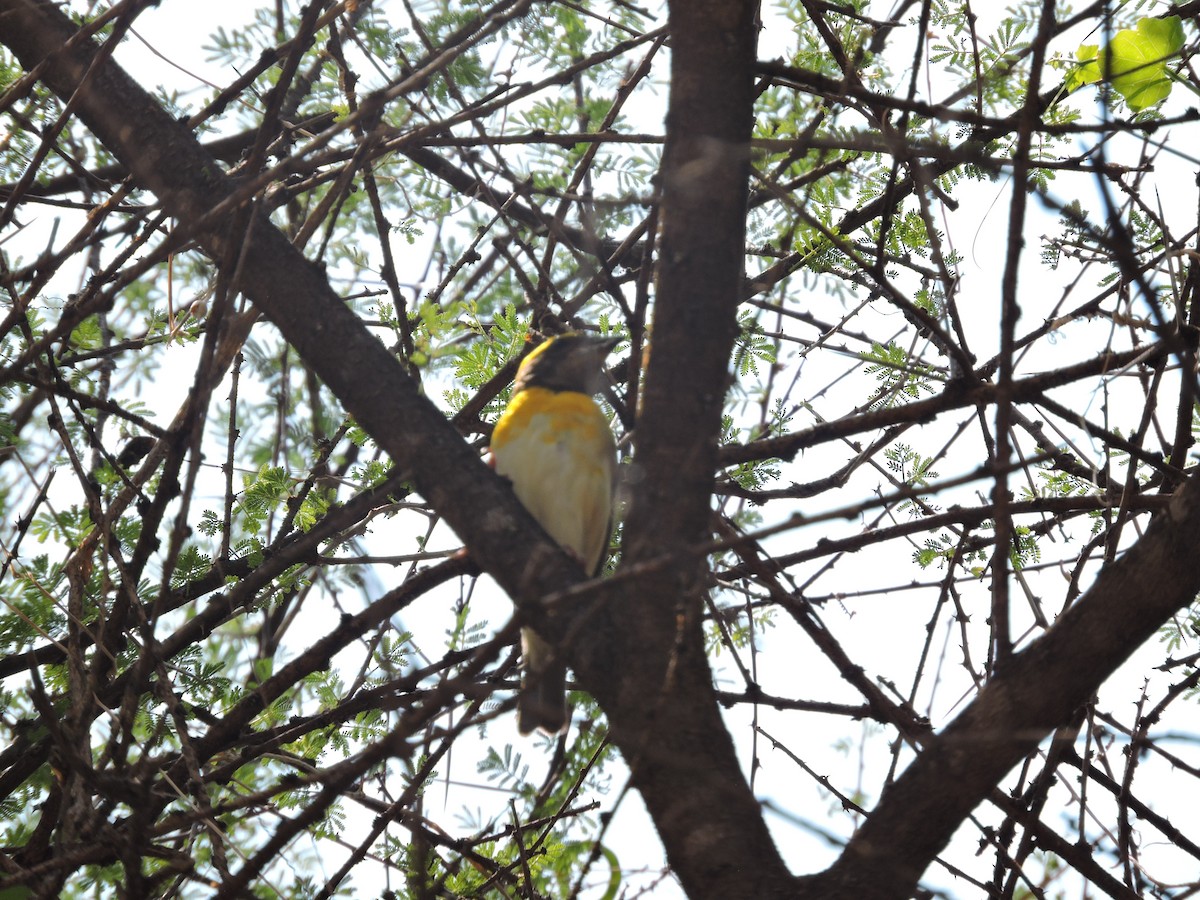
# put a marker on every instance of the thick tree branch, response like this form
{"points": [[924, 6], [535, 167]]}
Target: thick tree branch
{"points": [[684, 763], [917, 815], [694, 778], [166, 158]]}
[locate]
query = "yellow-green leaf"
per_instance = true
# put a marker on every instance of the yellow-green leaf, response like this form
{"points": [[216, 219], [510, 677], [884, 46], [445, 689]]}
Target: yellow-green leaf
{"points": [[1135, 61]]}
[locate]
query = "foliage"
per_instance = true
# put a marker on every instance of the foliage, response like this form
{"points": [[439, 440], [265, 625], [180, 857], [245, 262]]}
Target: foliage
{"points": [[237, 641], [1135, 62]]}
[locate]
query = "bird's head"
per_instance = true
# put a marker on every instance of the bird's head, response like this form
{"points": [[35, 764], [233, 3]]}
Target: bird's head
{"points": [[569, 362]]}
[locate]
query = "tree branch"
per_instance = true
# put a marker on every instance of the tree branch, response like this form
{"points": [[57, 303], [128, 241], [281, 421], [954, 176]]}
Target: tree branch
{"points": [[683, 761], [917, 815]]}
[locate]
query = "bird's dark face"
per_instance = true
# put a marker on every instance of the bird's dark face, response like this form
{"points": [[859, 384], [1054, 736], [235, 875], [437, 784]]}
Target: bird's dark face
{"points": [[570, 362]]}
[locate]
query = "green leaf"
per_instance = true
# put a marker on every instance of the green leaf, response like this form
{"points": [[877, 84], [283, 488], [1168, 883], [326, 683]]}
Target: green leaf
{"points": [[1088, 71], [1135, 61]]}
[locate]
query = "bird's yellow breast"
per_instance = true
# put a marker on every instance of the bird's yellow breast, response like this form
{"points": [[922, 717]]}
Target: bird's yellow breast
{"points": [[558, 451]]}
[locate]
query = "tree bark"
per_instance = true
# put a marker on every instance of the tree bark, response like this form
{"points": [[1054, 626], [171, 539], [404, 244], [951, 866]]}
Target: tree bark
{"points": [[1038, 690], [683, 760]]}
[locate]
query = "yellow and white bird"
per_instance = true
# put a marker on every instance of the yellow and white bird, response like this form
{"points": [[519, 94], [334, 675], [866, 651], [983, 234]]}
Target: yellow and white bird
{"points": [[554, 444]]}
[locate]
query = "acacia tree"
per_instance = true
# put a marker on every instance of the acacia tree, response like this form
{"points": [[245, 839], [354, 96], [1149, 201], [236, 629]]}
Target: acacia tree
{"points": [[256, 335]]}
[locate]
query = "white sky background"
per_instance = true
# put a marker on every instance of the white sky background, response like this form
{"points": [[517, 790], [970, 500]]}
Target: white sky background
{"points": [[892, 622]]}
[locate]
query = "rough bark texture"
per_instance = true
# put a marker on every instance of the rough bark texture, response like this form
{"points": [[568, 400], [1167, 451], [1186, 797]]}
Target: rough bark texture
{"points": [[1129, 601], [684, 763]]}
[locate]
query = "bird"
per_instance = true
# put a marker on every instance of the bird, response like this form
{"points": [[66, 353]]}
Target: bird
{"points": [[554, 444]]}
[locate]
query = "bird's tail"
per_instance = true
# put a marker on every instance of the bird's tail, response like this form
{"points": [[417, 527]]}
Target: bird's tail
{"points": [[542, 702]]}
